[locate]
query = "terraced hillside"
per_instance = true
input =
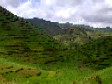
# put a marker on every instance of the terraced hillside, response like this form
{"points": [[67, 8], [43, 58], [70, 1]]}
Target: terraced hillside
{"points": [[29, 56], [22, 41]]}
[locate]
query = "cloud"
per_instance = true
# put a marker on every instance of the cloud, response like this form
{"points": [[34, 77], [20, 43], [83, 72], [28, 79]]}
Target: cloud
{"points": [[96, 13], [106, 11], [13, 3], [97, 18]]}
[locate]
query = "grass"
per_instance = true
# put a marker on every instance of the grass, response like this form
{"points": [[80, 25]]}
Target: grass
{"points": [[22, 73], [15, 72]]}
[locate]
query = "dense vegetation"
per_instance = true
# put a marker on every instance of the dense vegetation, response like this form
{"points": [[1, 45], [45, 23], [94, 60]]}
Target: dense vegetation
{"points": [[72, 55], [96, 53]]}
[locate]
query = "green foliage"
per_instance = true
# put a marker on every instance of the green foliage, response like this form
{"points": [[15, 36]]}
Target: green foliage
{"points": [[96, 53]]}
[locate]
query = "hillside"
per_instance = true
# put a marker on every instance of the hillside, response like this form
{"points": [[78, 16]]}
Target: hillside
{"points": [[22, 41], [23, 47]]}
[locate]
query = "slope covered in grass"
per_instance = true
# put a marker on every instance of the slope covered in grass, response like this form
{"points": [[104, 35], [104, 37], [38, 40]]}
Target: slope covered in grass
{"points": [[100, 77], [24, 73], [59, 73], [13, 72]]}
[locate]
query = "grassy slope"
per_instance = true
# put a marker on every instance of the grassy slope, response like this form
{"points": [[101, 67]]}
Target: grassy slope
{"points": [[21, 73], [60, 73], [100, 77]]}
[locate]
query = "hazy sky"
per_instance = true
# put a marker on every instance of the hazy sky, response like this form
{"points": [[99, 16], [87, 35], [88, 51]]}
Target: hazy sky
{"points": [[97, 13]]}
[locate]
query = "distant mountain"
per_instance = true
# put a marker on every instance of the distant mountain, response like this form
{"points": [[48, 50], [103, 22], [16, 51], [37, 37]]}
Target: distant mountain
{"points": [[105, 29], [69, 33], [51, 28]]}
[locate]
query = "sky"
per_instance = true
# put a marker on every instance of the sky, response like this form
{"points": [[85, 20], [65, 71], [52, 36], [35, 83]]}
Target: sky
{"points": [[96, 13]]}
